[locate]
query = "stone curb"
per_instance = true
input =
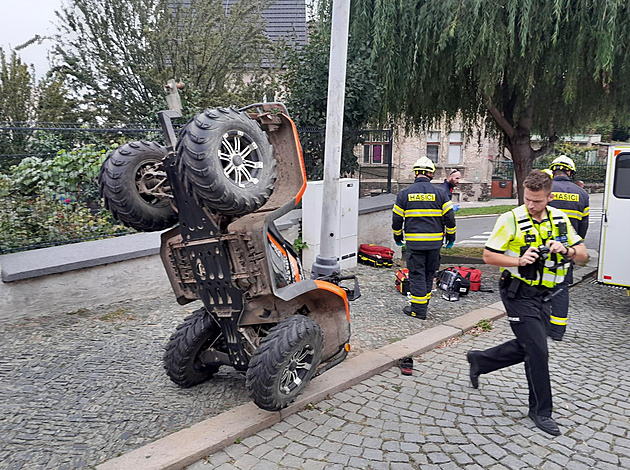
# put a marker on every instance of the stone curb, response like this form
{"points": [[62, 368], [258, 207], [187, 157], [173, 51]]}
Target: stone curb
{"points": [[192, 444]]}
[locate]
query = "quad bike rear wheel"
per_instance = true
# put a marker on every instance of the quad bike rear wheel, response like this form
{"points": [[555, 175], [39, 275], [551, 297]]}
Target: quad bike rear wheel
{"points": [[181, 357], [227, 161], [135, 188], [286, 361]]}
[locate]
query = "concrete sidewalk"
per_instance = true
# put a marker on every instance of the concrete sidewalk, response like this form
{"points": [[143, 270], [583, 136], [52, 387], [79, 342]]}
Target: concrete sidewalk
{"points": [[210, 436]]}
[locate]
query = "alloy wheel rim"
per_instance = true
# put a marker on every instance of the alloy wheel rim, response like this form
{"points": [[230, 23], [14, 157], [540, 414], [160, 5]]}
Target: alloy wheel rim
{"points": [[297, 368], [240, 159]]}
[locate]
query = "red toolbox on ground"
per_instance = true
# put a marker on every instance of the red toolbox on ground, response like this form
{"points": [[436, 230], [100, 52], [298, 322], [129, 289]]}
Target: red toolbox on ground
{"points": [[472, 274], [376, 255], [402, 281]]}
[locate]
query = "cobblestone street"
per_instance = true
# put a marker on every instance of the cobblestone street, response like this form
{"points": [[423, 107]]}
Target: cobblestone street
{"points": [[87, 386], [435, 420]]}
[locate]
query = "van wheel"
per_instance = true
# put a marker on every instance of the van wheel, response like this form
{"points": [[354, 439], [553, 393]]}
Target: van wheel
{"points": [[181, 357], [227, 161], [286, 361], [135, 188]]}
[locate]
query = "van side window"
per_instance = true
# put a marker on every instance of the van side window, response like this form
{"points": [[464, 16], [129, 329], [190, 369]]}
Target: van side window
{"points": [[621, 185]]}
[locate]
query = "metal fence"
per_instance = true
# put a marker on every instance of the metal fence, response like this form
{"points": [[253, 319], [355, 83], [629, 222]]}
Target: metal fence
{"points": [[587, 172], [49, 196]]}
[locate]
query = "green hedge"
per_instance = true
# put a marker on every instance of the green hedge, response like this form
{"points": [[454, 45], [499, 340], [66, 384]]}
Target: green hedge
{"points": [[46, 202]]}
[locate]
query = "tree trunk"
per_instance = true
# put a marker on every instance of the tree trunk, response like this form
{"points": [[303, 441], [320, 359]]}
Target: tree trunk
{"points": [[518, 142], [522, 156]]}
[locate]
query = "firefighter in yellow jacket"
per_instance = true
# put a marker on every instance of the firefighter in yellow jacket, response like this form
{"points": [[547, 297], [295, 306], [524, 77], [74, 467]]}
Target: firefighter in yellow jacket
{"points": [[532, 244], [422, 215], [574, 202]]}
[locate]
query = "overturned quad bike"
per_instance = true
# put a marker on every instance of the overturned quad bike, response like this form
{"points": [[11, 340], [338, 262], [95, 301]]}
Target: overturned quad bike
{"points": [[223, 181]]}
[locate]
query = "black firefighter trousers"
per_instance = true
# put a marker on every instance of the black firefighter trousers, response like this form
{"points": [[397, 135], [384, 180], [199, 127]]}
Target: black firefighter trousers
{"points": [[422, 265], [529, 318]]}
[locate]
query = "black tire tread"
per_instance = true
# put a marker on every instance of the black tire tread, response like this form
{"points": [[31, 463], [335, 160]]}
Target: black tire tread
{"points": [[265, 366], [202, 173], [185, 344], [119, 193]]}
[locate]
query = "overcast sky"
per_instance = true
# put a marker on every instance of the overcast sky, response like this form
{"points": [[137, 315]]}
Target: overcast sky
{"points": [[23, 19]]}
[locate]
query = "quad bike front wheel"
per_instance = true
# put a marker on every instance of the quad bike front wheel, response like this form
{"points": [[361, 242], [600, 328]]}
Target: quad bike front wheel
{"points": [[135, 189], [286, 361], [181, 357], [227, 161]]}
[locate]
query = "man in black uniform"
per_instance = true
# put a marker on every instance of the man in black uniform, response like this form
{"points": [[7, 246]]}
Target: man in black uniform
{"points": [[422, 211], [529, 243], [573, 201]]}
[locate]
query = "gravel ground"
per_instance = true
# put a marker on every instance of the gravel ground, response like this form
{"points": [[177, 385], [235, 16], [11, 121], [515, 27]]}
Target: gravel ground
{"points": [[82, 388], [377, 317]]}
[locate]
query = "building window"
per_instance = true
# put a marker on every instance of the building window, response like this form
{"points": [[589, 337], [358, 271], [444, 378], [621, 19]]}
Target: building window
{"points": [[621, 185], [433, 146], [376, 153], [455, 142]]}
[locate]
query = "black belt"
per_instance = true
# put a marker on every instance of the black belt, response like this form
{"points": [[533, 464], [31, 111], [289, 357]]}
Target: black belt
{"points": [[513, 285]]}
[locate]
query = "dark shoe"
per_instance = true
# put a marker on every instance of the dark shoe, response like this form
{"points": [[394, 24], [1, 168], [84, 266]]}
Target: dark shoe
{"points": [[556, 338], [474, 370], [408, 311], [545, 423], [406, 365]]}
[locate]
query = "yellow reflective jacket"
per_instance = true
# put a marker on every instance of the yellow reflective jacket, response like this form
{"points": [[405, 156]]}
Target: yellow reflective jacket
{"points": [[516, 229]]}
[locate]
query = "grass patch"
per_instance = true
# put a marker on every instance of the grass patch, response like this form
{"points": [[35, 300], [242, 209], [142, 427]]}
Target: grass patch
{"points": [[485, 324], [484, 210], [482, 326], [118, 314], [81, 311], [465, 251]]}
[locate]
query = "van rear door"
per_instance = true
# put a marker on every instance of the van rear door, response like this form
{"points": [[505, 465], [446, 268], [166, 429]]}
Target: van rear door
{"points": [[614, 245]]}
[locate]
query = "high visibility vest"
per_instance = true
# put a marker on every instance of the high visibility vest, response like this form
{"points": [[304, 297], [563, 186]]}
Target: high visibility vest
{"points": [[528, 233]]}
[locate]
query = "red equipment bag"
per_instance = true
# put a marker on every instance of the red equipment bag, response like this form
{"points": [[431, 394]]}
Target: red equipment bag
{"points": [[375, 255], [472, 274], [402, 281]]}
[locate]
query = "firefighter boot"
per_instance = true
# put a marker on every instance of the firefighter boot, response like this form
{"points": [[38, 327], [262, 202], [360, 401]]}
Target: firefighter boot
{"points": [[415, 311]]}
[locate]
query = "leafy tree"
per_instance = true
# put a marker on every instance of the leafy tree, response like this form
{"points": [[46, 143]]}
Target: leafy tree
{"points": [[54, 103], [23, 100], [525, 65], [120, 53], [306, 80], [16, 101]]}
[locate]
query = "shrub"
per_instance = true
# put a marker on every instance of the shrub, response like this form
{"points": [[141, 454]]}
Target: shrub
{"points": [[54, 201]]}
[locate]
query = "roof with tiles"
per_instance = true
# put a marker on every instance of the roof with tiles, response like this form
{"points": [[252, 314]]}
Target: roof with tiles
{"points": [[285, 19]]}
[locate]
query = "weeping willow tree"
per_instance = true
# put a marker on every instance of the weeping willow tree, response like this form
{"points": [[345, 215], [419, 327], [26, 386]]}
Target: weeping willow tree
{"points": [[528, 66]]}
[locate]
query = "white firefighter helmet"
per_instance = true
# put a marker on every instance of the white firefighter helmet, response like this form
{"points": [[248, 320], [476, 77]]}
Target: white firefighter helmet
{"points": [[424, 164], [562, 163], [547, 171]]}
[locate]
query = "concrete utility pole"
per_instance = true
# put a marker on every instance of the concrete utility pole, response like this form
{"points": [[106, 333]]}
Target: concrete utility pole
{"points": [[326, 262]]}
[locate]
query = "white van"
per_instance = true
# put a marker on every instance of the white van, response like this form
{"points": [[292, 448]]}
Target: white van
{"points": [[614, 249]]}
